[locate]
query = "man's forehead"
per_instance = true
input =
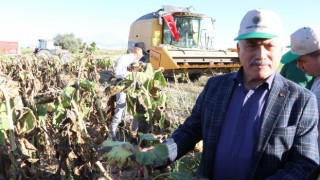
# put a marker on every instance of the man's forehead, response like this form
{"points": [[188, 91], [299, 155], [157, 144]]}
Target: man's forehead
{"points": [[263, 40], [259, 39], [303, 58]]}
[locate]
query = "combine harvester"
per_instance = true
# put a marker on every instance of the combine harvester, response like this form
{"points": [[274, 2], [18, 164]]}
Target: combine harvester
{"points": [[47, 49], [180, 40]]}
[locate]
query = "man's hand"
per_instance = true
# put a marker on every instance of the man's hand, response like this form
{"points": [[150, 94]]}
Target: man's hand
{"points": [[147, 149], [154, 156]]}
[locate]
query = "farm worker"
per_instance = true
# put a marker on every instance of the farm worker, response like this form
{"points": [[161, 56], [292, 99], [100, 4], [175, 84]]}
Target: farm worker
{"points": [[254, 123], [305, 52], [120, 72], [290, 71]]}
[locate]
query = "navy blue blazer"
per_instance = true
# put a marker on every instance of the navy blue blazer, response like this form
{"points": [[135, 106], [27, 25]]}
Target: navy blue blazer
{"points": [[287, 146]]}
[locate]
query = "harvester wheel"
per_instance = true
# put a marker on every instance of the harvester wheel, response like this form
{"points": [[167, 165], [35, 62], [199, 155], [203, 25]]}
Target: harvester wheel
{"points": [[44, 53]]}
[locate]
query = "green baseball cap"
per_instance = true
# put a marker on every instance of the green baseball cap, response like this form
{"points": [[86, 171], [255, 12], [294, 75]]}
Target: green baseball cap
{"points": [[289, 57]]}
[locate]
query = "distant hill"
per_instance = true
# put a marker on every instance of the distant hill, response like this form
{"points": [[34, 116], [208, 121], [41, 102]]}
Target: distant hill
{"points": [[107, 41]]}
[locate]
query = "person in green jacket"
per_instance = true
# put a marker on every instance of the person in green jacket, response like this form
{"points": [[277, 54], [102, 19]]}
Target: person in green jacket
{"points": [[290, 71]]}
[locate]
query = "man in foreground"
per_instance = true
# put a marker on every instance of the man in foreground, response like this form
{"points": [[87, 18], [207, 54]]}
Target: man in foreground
{"points": [[254, 123]]}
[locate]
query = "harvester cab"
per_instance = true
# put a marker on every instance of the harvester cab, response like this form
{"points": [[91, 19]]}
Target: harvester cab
{"points": [[181, 40], [46, 49]]}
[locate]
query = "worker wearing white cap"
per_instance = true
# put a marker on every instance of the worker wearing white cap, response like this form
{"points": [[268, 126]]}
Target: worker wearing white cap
{"points": [[305, 48]]}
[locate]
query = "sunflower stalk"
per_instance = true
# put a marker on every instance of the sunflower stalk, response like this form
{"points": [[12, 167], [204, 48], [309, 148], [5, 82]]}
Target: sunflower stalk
{"points": [[100, 166], [98, 106], [13, 145], [146, 92], [82, 126]]}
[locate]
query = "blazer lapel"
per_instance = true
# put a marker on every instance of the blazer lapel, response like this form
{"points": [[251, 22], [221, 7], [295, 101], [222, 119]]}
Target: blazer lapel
{"points": [[276, 101]]}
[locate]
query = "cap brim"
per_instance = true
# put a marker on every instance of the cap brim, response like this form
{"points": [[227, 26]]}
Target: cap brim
{"points": [[289, 57], [253, 35]]}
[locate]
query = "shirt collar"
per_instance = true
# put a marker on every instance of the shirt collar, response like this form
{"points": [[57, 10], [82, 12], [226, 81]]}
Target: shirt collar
{"points": [[238, 78]]}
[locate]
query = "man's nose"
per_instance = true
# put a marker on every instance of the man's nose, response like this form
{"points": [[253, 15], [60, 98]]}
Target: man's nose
{"points": [[261, 52]]}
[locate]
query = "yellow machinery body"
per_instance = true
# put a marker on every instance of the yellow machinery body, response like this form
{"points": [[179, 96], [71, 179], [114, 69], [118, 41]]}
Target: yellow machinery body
{"points": [[193, 52]]}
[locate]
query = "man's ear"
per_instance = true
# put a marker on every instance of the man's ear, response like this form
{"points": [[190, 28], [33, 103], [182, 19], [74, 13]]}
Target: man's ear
{"points": [[238, 47], [318, 57]]}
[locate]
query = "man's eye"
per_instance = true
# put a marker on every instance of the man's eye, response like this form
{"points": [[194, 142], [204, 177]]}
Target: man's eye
{"points": [[270, 46], [250, 46]]}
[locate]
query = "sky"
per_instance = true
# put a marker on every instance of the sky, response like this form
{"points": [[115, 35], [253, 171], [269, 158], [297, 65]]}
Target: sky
{"points": [[107, 22]]}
